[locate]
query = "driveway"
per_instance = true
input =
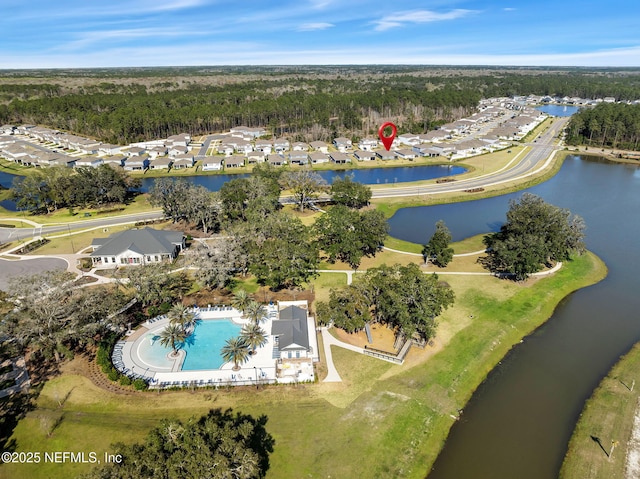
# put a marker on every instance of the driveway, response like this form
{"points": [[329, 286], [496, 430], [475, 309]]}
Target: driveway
{"points": [[12, 269]]}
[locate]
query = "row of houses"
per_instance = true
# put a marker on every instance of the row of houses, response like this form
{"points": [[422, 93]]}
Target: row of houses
{"points": [[512, 120], [173, 152]]}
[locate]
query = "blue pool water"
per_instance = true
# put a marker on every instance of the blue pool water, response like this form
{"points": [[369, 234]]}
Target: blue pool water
{"points": [[202, 347]]}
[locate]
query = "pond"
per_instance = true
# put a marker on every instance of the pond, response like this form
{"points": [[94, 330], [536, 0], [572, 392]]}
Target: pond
{"points": [[372, 176], [558, 110], [519, 421]]}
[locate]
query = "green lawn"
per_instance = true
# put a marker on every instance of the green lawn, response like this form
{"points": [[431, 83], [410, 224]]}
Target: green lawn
{"points": [[382, 421], [607, 416]]}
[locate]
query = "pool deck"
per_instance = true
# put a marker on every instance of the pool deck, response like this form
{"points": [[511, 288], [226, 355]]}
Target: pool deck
{"points": [[259, 369]]}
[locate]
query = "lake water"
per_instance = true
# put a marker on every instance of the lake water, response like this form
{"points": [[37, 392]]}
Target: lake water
{"points": [[558, 110], [372, 176], [519, 421]]}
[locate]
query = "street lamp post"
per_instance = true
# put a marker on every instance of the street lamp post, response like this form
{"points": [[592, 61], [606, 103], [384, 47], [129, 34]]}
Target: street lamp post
{"points": [[255, 370]]}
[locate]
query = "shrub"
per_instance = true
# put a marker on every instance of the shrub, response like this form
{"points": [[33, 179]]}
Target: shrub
{"points": [[125, 380], [113, 374], [140, 384]]}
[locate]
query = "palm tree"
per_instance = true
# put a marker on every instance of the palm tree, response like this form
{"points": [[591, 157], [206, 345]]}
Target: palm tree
{"points": [[255, 311], [241, 300], [254, 336], [236, 350], [171, 336], [182, 316]]}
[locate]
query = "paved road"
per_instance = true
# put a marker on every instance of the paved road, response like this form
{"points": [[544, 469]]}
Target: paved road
{"points": [[12, 234], [539, 153]]}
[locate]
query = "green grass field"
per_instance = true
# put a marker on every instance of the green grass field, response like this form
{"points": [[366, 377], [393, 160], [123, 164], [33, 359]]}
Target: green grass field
{"points": [[607, 416], [384, 420]]}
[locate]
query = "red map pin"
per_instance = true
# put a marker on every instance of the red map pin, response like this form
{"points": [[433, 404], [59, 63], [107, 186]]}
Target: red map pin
{"points": [[387, 140]]}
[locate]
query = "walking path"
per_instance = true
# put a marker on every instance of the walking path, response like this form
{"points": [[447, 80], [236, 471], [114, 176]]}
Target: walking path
{"points": [[473, 253], [328, 340]]}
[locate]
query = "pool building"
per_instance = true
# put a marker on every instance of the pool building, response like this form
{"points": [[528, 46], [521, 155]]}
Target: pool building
{"points": [[288, 355]]}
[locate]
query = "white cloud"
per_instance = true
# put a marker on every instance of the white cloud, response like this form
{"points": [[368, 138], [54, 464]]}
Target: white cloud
{"points": [[509, 9], [418, 16], [309, 27]]}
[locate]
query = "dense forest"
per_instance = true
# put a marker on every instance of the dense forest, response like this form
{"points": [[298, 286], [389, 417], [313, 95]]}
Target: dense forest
{"points": [[612, 125], [305, 103]]}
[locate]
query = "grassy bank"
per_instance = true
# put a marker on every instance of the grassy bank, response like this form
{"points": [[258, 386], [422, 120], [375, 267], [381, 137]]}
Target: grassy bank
{"points": [[607, 416], [383, 420], [390, 205]]}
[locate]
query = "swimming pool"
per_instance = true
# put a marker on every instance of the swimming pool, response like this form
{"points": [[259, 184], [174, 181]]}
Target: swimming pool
{"points": [[202, 348]]}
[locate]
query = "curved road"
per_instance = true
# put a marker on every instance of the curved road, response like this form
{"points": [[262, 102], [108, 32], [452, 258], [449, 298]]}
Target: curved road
{"points": [[534, 159], [540, 151]]}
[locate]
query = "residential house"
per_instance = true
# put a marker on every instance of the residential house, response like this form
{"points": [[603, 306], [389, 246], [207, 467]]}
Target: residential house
{"points": [[363, 155], [234, 161], [158, 151], [6, 140], [61, 160], [24, 129], [176, 150], [443, 149], [275, 160], [298, 157], [422, 150], [410, 139], [299, 146], [386, 155], [226, 149], [117, 160], [342, 144], [135, 151], [136, 163], [91, 161], [162, 163], [339, 158], [468, 148], [434, 136], [405, 153], [368, 144], [212, 163], [183, 161], [137, 246], [317, 158], [256, 157], [243, 131], [320, 146], [264, 146], [281, 145], [241, 146], [182, 139], [108, 149]]}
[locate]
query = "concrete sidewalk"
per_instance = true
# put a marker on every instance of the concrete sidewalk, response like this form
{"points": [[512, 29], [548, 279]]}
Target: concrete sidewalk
{"points": [[328, 340]]}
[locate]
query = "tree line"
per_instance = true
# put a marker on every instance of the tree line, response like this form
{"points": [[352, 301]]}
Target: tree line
{"points": [[258, 237], [613, 125], [305, 104], [48, 189]]}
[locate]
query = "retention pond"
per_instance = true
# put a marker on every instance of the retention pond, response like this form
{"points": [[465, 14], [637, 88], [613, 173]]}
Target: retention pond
{"points": [[519, 421]]}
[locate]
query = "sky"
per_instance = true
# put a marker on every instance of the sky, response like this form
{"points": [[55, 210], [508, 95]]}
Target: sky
{"points": [[116, 33]]}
